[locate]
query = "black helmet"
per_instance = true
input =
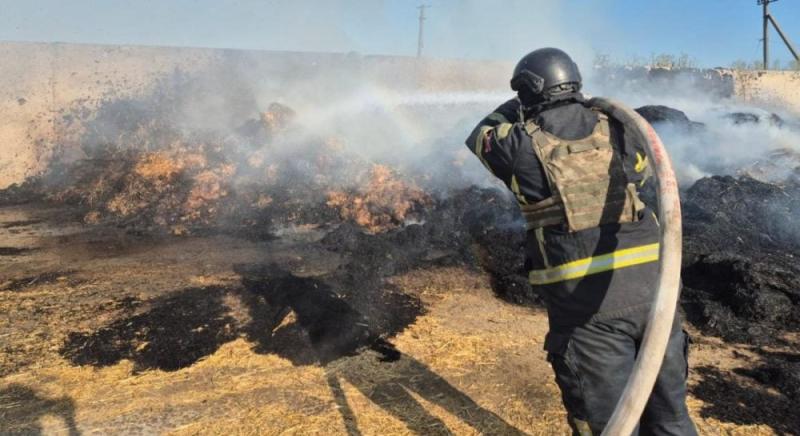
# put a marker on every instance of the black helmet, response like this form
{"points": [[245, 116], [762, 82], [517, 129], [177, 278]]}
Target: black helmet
{"points": [[543, 74]]}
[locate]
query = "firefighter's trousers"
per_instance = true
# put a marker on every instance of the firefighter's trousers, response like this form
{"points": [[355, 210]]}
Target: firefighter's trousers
{"points": [[592, 364]]}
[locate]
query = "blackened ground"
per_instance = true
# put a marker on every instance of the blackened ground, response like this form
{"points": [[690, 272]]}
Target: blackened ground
{"points": [[335, 323], [171, 333], [730, 399], [780, 371], [16, 285], [14, 251], [306, 320], [334, 315]]}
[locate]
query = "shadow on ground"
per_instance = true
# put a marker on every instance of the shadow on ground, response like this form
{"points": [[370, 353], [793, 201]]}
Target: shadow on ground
{"points": [[21, 409], [305, 320], [393, 388]]}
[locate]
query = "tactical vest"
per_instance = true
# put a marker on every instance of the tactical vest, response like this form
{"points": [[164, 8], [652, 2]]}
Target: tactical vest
{"points": [[587, 180]]}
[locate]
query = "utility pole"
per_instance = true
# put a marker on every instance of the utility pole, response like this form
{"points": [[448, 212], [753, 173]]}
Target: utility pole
{"points": [[421, 26], [768, 18], [784, 37], [765, 37]]}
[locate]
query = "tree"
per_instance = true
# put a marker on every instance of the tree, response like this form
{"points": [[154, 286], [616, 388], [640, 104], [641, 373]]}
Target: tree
{"points": [[740, 64]]}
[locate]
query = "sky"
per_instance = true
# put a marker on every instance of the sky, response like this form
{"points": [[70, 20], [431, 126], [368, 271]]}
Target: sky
{"points": [[712, 32]]}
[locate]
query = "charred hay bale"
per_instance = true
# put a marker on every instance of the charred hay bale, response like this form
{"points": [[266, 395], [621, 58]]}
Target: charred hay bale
{"points": [[656, 114], [497, 236], [26, 192], [171, 190], [754, 291], [477, 226], [740, 267], [741, 299], [722, 212], [751, 118]]}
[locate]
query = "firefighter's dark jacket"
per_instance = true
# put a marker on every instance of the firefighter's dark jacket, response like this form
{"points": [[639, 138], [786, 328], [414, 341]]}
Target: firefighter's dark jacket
{"points": [[505, 148]]}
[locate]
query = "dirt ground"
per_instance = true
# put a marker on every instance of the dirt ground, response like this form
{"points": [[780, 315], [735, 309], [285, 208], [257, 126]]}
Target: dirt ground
{"points": [[106, 332]]}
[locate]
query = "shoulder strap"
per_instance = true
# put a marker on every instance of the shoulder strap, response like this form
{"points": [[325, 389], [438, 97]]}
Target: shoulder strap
{"points": [[603, 127]]}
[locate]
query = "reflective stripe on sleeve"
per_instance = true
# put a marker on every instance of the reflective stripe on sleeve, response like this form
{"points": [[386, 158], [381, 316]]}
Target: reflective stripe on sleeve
{"points": [[502, 130], [497, 116], [515, 189], [596, 264]]}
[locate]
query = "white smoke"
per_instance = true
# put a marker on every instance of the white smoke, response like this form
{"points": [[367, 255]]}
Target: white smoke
{"points": [[721, 146]]}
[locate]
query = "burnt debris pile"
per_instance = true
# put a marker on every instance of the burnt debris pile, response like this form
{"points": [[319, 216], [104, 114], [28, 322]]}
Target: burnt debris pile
{"points": [[658, 114], [741, 274]]}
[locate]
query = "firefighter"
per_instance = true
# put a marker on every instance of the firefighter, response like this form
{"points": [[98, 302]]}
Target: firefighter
{"points": [[592, 244]]}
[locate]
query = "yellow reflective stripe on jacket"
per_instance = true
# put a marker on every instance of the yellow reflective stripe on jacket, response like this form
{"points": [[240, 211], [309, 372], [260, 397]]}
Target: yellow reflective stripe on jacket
{"points": [[479, 146], [500, 118], [515, 189], [502, 129], [597, 264]]}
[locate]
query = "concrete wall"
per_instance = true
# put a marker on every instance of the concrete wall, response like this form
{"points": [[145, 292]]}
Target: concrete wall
{"points": [[773, 88]]}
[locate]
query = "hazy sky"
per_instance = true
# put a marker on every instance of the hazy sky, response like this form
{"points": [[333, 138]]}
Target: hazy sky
{"points": [[714, 32]]}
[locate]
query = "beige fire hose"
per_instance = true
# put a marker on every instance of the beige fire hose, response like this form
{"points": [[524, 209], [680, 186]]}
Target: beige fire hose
{"points": [[659, 324]]}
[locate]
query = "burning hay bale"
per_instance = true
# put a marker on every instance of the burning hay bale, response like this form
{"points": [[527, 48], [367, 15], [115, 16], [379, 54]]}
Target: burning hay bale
{"points": [[138, 167], [383, 203], [277, 117], [171, 188]]}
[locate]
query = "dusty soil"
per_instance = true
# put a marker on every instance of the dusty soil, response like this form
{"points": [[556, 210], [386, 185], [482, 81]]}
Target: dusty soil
{"points": [[111, 332]]}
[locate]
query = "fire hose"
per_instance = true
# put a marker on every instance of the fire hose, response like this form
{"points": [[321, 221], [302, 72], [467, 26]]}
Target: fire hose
{"points": [[659, 324]]}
